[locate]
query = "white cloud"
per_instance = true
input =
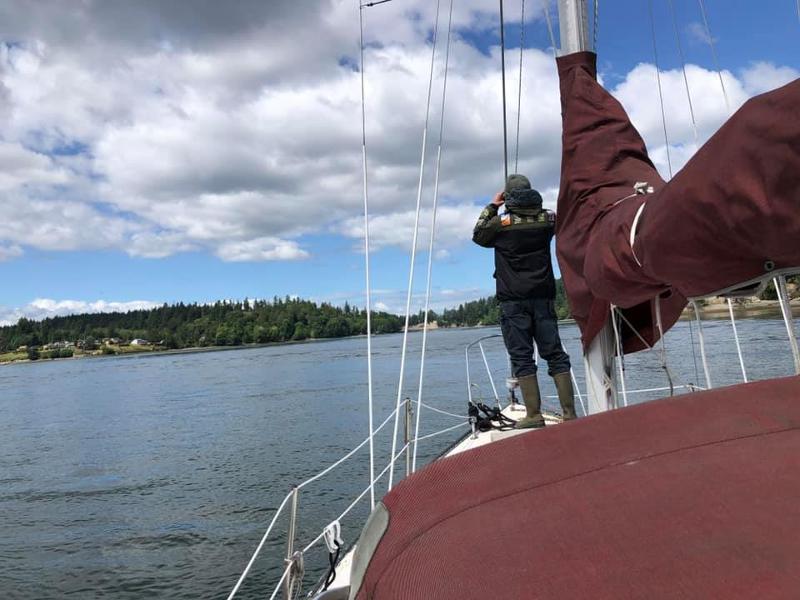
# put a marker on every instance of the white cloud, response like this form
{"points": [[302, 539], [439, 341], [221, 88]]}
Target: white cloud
{"points": [[761, 77], [42, 308], [158, 129], [261, 249], [698, 33]]}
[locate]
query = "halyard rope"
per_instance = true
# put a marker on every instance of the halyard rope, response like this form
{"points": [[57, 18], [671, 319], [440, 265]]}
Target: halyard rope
{"points": [[433, 236], [413, 251], [366, 258]]}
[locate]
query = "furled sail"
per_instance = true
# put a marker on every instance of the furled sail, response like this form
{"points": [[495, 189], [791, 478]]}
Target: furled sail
{"points": [[625, 237]]}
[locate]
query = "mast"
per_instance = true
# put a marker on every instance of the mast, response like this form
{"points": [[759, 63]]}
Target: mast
{"points": [[601, 388]]}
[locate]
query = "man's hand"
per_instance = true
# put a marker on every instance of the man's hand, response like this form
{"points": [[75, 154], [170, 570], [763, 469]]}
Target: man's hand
{"points": [[499, 199]]}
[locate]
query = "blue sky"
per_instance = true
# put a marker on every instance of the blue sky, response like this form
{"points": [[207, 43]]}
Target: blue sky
{"points": [[167, 157]]}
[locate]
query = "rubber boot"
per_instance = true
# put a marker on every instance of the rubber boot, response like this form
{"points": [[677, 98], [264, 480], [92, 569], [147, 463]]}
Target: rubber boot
{"points": [[529, 386], [566, 395]]}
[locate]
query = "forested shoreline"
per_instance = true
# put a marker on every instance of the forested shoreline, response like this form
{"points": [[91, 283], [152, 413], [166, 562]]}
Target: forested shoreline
{"points": [[224, 323]]}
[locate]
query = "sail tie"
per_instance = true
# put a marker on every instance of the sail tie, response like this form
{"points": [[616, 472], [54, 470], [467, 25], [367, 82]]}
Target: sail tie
{"points": [[640, 188]]}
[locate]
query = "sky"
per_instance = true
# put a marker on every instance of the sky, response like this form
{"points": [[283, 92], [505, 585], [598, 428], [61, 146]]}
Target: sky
{"points": [[159, 151]]}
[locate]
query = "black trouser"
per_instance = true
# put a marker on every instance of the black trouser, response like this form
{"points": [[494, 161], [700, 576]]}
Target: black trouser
{"points": [[522, 322]]}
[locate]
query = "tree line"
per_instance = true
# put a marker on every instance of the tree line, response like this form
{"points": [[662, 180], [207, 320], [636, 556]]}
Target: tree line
{"points": [[234, 323]]}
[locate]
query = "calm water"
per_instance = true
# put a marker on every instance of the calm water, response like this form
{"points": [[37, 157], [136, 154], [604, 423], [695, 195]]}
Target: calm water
{"points": [[155, 476]]}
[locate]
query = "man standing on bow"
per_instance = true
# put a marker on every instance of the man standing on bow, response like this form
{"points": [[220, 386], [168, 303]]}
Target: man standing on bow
{"points": [[526, 291]]}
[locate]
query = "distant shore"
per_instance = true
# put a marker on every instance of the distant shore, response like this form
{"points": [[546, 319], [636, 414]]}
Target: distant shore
{"points": [[716, 310], [749, 310]]}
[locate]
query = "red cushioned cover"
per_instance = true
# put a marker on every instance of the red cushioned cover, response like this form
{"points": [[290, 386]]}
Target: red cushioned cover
{"points": [[692, 497], [730, 211]]}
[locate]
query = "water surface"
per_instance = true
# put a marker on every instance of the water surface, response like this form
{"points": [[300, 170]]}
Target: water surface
{"points": [[155, 476]]}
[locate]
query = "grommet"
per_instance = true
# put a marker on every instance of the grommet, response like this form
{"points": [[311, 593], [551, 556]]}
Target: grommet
{"points": [[769, 265]]}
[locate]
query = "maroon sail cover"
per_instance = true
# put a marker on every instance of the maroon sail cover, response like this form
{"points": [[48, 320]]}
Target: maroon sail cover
{"points": [[690, 497], [729, 216]]}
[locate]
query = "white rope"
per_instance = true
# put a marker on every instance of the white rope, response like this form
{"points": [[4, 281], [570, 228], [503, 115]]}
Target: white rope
{"points": [[596, 26], [260, 545], [366, 258], [433, 236], [736, 337], [489, 374], [620, 355], [702, 344], [786, 310], [346, 456], [299, 487], [443, 431], [683, 68], [714, 54], [633, 329], [577, 389], [347, 510], [281, 580], [660, 92], [442, 412], [413, 250], [649, 390]]}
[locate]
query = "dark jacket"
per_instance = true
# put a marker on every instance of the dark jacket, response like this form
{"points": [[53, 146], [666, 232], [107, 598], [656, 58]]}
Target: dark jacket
{"points": [[521, 241]]}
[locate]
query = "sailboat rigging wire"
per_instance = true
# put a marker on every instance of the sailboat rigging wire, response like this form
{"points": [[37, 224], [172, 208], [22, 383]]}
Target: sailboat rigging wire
{"points": [[683, 68], [736, 337], [577, 389], [433, 236], [413, 249], [519, 89], [702, 344], [620, 355], [548, 20], [663, 346], [786, 311], [503, 77], [660, 92], [694, 356], [366, 259], [714, 53]]}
